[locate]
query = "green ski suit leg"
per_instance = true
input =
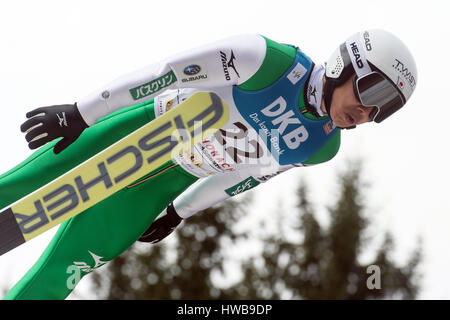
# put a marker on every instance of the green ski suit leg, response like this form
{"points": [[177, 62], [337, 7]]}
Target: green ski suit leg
{"points": [[103, 231]]}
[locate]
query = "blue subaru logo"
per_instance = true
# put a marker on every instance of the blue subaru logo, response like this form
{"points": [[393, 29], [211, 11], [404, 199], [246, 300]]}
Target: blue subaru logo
{"points": [[192, 69]]}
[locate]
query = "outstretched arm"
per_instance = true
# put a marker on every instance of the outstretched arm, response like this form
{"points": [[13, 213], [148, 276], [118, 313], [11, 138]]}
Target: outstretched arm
{"points": [[226, 62], [206, 193]]}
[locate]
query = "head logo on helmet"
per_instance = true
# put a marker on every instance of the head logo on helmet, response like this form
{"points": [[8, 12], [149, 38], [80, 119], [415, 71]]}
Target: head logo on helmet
{"points": [[381, 62], [367, 41], [356, 55]]}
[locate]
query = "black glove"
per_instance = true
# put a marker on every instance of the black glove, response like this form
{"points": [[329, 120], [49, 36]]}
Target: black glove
{"points": [[55, 121], [162, 226]]}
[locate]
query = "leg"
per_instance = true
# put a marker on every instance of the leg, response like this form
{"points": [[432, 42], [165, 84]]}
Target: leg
{"points": [[98, 235]]}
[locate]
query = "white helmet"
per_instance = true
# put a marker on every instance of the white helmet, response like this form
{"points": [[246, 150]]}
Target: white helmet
{"points": [[386, 73]]}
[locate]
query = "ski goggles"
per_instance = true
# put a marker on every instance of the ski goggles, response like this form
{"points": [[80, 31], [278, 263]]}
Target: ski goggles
{"points": [[375, 90]]}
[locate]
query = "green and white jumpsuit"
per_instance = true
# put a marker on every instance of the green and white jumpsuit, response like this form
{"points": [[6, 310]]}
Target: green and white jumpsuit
{"points": [[274, 93]]}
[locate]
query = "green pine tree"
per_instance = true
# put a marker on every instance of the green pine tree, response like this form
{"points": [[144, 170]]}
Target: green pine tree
{"points": [[326, 263]]}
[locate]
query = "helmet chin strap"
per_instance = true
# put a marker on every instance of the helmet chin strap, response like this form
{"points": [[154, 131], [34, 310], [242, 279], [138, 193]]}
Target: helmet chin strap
{"points": [[330, 85]]}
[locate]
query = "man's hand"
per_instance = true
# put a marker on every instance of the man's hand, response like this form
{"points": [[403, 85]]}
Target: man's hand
{"points": [[162, 226], [48, 123]]}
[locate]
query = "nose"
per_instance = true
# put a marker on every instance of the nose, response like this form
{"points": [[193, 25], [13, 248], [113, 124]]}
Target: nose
{"points": [[364, 113]]}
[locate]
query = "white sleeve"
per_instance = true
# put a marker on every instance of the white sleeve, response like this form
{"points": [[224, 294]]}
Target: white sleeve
{"points": [[209, 191], [230, 61]]}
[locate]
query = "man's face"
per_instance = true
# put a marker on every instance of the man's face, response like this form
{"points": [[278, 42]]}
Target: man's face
{"points": [[345, 109]]}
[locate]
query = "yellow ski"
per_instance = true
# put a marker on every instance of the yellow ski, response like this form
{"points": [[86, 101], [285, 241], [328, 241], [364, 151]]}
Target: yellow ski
{"points": [[114, 168]]}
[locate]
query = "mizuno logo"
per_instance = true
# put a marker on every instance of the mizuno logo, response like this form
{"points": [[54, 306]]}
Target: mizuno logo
{"points": [[228, 64], [62, 119], [75, 270], [83, 266], [312, 92]]}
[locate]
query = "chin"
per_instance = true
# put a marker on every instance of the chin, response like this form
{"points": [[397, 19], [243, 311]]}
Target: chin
{"points": [[337, 120]]}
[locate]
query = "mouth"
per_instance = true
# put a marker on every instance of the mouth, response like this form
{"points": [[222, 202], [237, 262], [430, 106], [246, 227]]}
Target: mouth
{"points": [[349, 119]]}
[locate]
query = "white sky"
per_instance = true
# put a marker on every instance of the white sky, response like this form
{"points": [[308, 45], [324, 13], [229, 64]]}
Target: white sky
{"points": [[54, 52]]}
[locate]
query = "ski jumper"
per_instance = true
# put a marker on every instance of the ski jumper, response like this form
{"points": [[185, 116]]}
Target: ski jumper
{"points": [[274, 94]]}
